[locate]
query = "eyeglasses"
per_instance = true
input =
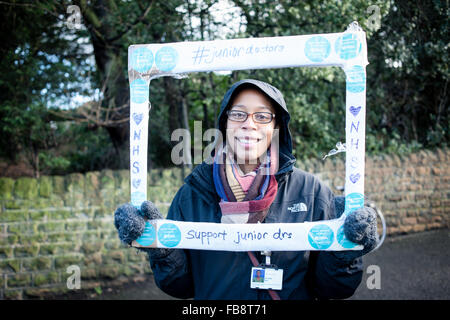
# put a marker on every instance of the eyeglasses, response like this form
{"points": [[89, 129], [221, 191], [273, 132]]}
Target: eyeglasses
{"points": [[258, 117]]}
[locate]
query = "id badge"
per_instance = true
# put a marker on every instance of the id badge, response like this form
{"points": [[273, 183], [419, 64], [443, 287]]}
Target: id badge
{"points": [[266, 278]]}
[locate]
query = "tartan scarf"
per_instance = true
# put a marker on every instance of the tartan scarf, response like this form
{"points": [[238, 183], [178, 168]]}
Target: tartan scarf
{"points": [[236, 206]]}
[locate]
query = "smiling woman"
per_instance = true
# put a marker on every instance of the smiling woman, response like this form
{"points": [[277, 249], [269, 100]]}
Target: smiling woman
{"points": [[249, 127], [252, 180]]}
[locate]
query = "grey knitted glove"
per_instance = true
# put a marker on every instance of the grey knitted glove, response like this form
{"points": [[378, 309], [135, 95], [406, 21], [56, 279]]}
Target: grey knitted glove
{"points": [[130, 224], [360, 227]]}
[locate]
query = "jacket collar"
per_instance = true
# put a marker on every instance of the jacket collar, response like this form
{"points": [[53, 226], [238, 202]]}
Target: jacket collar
{"points": [[201, 178]]}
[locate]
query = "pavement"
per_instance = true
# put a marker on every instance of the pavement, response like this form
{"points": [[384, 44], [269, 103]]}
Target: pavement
{"points": [[412, 267], [408, 267]]}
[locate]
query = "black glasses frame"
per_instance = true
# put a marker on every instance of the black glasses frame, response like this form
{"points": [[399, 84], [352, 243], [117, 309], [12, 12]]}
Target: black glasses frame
{"points": [[251, 114]]}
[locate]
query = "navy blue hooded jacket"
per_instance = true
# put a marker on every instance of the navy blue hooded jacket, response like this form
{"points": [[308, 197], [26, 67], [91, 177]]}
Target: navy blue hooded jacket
{"points": [[204, 274]]}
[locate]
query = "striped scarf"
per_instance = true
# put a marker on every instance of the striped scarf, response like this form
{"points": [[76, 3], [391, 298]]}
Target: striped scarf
{"points": [[236, 205], [252, 206]]}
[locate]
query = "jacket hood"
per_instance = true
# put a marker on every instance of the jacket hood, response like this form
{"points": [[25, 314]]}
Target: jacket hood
{"points": [[277, 99], [201, 176]]}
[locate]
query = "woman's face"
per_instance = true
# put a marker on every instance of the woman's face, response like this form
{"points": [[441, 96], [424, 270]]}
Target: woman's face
{"points": [[249, 139]]}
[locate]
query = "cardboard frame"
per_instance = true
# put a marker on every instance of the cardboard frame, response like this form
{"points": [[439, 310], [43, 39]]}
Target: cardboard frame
{"points": [[347, 50]]}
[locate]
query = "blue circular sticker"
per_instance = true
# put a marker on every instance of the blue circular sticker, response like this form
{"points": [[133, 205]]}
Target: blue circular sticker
{"points": [[169, 235], [166, 59], [343, 241], [149, 235], [321, 236], [137, 198], [356, 79], [139, 91], [317, 49], [348, 46], [141, 59], [353, 201]]}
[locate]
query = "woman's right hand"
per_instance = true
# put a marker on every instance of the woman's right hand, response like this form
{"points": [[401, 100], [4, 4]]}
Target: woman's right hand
{"points": [[130, 223]]}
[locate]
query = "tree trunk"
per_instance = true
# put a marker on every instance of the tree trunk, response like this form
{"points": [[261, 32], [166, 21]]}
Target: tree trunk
{"points": [[172, 97], [110, 67], [185, 125]]}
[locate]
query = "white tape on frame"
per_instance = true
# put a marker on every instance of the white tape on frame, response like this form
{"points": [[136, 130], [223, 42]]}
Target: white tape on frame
{"points": [[347, 50], [139, 108]]}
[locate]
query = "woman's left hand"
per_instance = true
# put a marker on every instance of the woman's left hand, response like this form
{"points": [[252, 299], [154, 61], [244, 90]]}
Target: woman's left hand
{"points": [[360, 227]]}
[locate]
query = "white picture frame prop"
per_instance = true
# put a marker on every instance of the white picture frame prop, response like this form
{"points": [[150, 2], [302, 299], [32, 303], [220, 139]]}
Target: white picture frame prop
{"points": [[347, 50]]}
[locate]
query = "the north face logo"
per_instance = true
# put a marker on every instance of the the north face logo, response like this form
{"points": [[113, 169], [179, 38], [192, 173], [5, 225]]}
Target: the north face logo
{"points": [[298, 207]]}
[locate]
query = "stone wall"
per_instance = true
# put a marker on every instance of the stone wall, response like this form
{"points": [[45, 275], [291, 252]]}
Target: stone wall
{"points": [[412, 192], [51, 223]]}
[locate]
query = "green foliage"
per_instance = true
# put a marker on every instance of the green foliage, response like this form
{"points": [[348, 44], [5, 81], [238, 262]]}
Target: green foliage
{"points": [[91, 150], [40, 66], [98, 290], [407, 106], [45, 65], [53, 164], [26, 130], [408, 75]]}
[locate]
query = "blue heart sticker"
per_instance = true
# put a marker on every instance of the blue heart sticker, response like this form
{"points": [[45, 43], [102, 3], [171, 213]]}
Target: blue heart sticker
{"points": [[136, 183], [354, 111], [137, 117], [354, 177]]}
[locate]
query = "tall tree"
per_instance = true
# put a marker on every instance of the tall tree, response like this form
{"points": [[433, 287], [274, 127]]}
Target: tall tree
{"points": [[39, 67], [108, 23], [409, 74], [46, 63]]}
